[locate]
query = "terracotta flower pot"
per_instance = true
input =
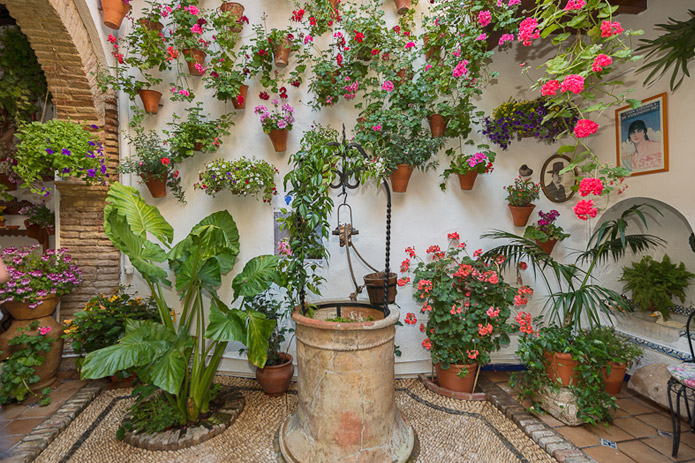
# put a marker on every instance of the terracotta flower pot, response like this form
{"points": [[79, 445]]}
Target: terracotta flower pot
{"points": [[402, 6], [547, 246], [281, 52], [275, 379], [334, 3], [237, 10], [403, 75], [400, 178], [433, 52], [561, 368], [198, 58], [521, 214], [239, 101], [5, 180], [374, 282], [449, 378], [467, 180], [614, 381], [437, 125], [21, 310], [114, 12], [198, 146], [151, 25], [150, 100], [279, 139], [156, 185]]}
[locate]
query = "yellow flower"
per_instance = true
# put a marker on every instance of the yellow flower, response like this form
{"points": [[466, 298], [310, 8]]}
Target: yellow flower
{"points": [[173, 315], [114, 298]]}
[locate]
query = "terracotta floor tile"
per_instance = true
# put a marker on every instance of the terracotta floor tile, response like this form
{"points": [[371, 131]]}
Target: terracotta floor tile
{"points": [[12, 411], [665, 445], [550, 421], [618, 413], [497, 376], [635, 427], [687, 437], [579, 436], [633, 407], [642, 453], [8, 441], [62, 375], [608, 455], [612, 433], [57, 401], [660, 421], [70, 385], [21, 426]]}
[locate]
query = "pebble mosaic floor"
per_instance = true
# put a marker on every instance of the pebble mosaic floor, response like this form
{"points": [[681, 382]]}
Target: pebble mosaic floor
{"points": [[448, 430]]}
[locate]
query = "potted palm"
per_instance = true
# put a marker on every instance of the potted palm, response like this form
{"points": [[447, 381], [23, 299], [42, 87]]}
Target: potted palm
{"points": [[467, 306], [520, 195], [654, 284], [545, 233]]}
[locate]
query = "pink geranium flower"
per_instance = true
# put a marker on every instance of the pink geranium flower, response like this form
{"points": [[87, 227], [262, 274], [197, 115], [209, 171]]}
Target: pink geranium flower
{"points": [[550, 88], [590, 185], [484, 18], [585, 209], [573, 83], [600, 62], [585, 127]]}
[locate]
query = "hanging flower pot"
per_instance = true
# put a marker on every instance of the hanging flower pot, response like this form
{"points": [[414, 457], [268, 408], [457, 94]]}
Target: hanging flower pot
{"points": [[449, 378], [614, 381], [198, 57], [114, 12], [467, 180], [402, 6], [237, 10], [198, 146], [275, 379], [334, 3], [374, 282], [400, 178], [279, 139], [239, 101], [156, 185], [437, 125], [547, 246], [150, 100], [151, 25], [433, 52], [521, 214], [5, 180], [281, 52], [403, 75]]}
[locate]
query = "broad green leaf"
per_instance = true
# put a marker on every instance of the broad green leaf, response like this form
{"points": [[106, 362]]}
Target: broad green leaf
{"points": [[141, 217], [258, 333], [230, 326], [258, 274], [566, 149], [169, 371], [560, 38], [143, 344], [634, 103]]}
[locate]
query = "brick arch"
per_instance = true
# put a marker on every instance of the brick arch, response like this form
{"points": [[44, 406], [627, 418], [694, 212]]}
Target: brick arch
{"points": [[66, 53]]}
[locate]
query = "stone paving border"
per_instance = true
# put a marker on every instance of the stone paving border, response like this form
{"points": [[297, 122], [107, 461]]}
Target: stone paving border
{"points": [[42, 435], [545, 436]]}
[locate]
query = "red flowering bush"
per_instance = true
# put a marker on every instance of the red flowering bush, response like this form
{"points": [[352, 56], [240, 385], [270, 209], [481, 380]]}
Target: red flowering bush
{"points": [[466, 301]]}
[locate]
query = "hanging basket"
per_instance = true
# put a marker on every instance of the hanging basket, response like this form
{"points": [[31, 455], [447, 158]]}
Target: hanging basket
{"points": [[237, 10], [374, 282]]}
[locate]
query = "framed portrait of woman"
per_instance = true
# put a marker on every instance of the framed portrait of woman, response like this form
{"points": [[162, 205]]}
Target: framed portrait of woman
{"points": [[642, 136], [557, 185]]}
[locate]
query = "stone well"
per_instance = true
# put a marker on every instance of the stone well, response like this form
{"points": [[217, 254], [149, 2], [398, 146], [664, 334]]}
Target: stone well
{"points": [[347, 410]]}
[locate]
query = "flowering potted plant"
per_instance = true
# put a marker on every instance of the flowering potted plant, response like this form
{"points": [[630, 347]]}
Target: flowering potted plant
{"points": [[61, 146], [545, 232], [7, 174], [114, 12], [39, 216], [521, 119], [189, 24], [520, 195], [241, 176], [468, 166], [153, 165], [276, 123], [196, 133], [467, 305]]}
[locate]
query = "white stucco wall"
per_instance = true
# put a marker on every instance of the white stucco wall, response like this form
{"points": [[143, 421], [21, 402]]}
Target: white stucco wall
{"points": [[424, 215]]}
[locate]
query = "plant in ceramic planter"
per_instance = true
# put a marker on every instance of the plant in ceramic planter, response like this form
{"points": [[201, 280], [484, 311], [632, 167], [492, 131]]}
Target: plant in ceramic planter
{"points": [[23, 82], [102, 321], [8, 177], [18, 371], [122, 81], [39, 215], [654, 284], [620, 352], [241, 176], [153, 164], [34, 275], [519, 119], [58, 146], [183, 350], [466, 302], [578, 71], [276, 122], [189, 25], [545, 232], [196, 133], [520, 196], [468, 166], [317, 16]]}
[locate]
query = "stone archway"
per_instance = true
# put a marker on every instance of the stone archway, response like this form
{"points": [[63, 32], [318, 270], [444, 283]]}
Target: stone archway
{"points": [[67, 56]]}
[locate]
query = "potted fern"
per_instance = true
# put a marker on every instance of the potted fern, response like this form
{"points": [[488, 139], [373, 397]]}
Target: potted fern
{"points": [[654, 284]]}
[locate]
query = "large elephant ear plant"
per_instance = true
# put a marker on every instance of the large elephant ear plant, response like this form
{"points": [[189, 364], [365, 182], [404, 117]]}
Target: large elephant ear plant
{"points": [[167, 355]]}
